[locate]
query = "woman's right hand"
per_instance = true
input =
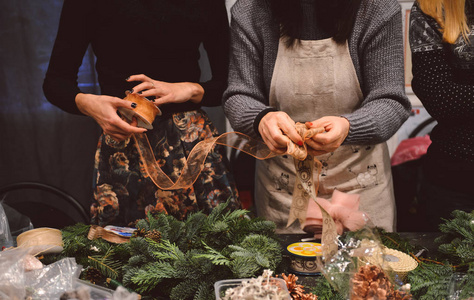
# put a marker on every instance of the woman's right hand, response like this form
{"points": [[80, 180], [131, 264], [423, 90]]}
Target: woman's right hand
{"points": [[103, 109], [276, 129]]}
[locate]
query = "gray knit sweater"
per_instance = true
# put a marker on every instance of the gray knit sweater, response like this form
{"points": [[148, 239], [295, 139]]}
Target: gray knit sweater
{"points": [[376, 49]]}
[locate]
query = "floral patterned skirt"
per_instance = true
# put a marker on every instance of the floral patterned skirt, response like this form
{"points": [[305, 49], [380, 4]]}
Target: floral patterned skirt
{"points": [[123, 192]]}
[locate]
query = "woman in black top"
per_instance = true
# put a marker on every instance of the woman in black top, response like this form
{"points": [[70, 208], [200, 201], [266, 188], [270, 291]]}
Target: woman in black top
{"points": [[442, 43], [159, 38]]}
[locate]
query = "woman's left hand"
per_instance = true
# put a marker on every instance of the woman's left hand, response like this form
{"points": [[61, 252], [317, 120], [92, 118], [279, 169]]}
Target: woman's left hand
{"points": [[336, 131], [166, 92]]}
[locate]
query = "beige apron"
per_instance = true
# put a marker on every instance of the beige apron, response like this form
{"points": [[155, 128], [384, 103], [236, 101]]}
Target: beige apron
{"points": [[310, 81]]}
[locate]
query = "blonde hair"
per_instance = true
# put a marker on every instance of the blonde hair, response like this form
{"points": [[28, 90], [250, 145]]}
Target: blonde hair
{"points": [[450, 15]]}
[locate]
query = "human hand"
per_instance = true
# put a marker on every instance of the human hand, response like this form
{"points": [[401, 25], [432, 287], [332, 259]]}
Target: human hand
{"points": [[336, 131], [103, 109], [276, 129], [166, 92]]}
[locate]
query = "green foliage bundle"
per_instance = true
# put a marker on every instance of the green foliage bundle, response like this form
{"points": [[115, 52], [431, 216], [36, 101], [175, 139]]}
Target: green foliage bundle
{"points": [[189, 257], [432, 279], [324, 290], [184, 259]]}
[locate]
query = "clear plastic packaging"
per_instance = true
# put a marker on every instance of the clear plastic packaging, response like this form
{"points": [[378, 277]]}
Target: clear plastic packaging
{"points": [[12, 279], [252, 288], [6, 240], [361, 269]]}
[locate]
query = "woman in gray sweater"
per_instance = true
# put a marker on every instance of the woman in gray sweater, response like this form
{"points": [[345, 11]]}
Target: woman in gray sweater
{"points": [[333, 64]]}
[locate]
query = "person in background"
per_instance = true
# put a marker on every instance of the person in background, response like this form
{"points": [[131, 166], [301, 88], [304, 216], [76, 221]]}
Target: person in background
{"points": [[442, 45], [151, 48], [333, 64]]}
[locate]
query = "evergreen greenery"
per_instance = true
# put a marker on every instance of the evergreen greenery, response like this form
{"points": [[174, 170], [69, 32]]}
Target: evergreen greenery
{"points": [[193, 254], [432, 279], [189, 257]]}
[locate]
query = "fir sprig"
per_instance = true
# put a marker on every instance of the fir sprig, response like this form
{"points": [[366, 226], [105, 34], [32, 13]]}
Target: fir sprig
{"points": [[106, 263], [430, 281], [458, 238], [185, 264]]}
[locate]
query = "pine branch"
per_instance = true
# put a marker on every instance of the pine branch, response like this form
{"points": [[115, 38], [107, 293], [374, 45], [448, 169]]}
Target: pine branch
{"points": [[324, 290], [166, 251], [430, 281], [254, 254], [151, 275], [108, 268], [215, 256], [184, 290]]}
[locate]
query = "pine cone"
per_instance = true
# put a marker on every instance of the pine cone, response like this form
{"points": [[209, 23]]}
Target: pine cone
{"points": [[296, 290], [399, 295], [372, 283], [93, 275], [139, 233], [309, 297], [154, 234]]}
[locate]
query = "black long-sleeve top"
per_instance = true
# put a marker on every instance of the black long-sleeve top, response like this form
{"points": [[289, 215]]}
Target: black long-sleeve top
{"points": [[158, 38], [443, 79]]}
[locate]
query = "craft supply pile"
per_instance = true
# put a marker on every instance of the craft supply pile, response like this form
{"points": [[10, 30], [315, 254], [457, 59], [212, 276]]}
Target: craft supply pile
{"points": [[229, 255]]}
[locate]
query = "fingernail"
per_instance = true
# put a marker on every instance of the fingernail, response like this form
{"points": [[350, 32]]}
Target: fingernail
{"points": [[300, 143], [134, 105], [130, 91], [310, 123], [126, 79]]}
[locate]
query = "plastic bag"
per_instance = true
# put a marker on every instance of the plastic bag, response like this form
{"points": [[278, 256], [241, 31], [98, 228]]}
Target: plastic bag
{"points": [[12, 280], [6, 239], [86, 290], [361, 269], [52, 280]]}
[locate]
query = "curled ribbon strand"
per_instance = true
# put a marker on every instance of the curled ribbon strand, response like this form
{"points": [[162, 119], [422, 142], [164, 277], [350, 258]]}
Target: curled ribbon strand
{"points": [[195, 161], [305, 188]]}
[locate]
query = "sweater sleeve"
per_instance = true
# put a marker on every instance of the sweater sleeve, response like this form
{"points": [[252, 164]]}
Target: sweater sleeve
{"points": [[246, 95], [216, 44], [445, 91], [60, 84], [380, 53]]}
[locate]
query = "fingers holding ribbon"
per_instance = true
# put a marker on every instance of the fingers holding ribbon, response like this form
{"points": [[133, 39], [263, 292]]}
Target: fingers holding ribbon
{"points": [[336, 130], [278, 130]]}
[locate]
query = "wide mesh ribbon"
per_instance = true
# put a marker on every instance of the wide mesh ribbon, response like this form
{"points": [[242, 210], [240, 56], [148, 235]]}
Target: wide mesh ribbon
{"points": [[305, 187]]}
